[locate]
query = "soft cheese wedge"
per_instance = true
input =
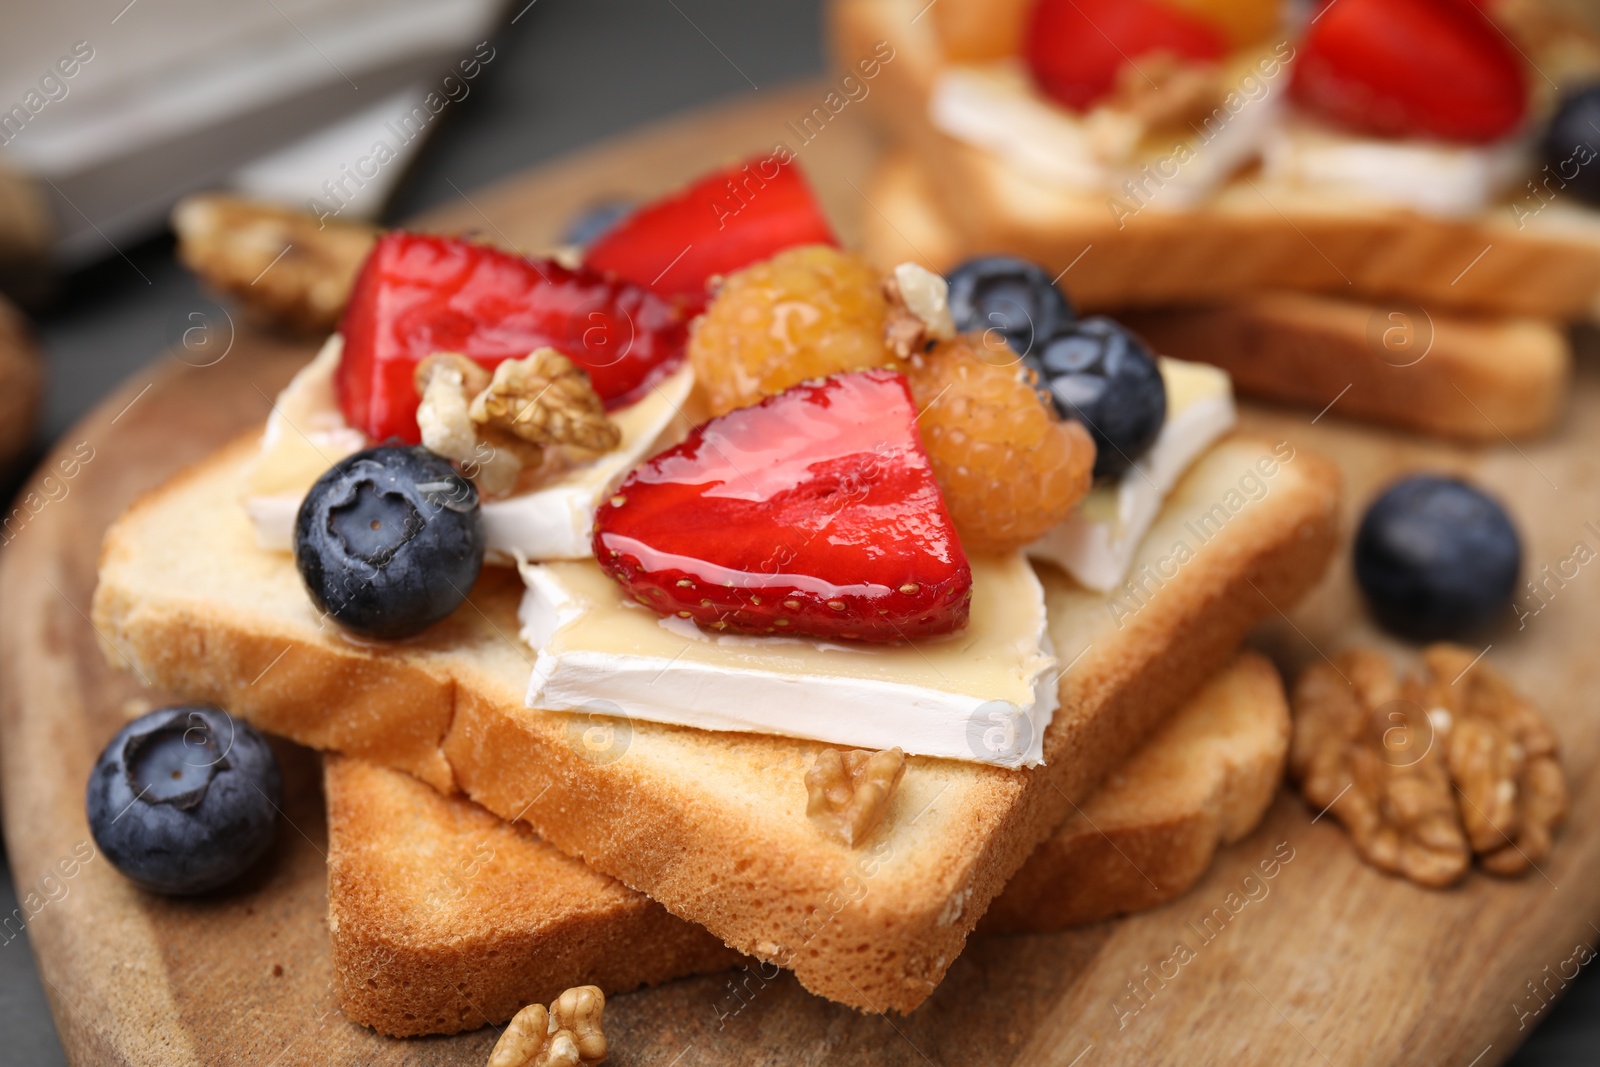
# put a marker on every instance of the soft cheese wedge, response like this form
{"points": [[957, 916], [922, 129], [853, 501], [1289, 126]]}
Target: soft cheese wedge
{"points": [[306, 434], [984, 694], [1096, 545]]}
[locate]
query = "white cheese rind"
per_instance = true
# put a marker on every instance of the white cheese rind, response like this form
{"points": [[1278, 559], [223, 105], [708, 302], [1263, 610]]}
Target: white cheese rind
{"points": [[762, 685], [995, 107], [1445, 180], [554, 522], [1097, 548]]}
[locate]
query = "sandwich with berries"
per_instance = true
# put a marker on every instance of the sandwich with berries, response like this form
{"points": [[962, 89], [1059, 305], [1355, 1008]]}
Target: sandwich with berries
{"points": [[1394, 363], [1010, 93], [1436, 151], [749, 578]]}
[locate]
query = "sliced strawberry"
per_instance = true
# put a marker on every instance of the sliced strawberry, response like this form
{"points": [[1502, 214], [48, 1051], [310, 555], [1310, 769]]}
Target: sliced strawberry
{"points": [[813, 512], [1411, 68], [420, 294], [725, 220], [1076, 48]]}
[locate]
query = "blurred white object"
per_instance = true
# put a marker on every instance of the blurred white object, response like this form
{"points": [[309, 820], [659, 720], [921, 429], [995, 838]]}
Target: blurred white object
{"points": [[167, 96], [297, 173]]}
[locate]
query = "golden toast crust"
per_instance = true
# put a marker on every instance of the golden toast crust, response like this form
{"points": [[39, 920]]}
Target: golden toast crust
{"points": [[1149, 832], [445, 918]]}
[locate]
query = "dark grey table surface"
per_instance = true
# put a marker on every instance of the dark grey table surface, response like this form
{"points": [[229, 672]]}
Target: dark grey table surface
{"points": [[566, 74]]}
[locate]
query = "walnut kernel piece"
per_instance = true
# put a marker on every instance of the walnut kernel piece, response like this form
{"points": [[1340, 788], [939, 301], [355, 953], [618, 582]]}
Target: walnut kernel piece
{"points": [[284, 264], [1503, 757], [1427, 772], [1395, 804], [496, 467], [492, 458], [545, 399], [848, 792], [919, 310], [1166, 92], [447, 382], [567, 1035]]}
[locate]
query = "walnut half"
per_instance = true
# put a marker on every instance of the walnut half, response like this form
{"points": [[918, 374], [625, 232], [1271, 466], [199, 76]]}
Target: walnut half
{"points": [[1502, 756], [848, 792], [1426, 772], [286, 265], [447, 383], [569, 1034], [496, 427], [546, 400]]}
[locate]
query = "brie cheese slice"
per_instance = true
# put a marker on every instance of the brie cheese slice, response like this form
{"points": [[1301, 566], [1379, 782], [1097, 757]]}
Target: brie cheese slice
{"points": [[997, 108], [984, 694], [1096, 544], [306, 434], [1446, 180]]}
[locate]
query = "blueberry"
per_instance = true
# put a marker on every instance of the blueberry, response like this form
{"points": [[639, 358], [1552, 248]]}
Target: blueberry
{"points": [[1100, 374], [1436, 558], [1015, 298], [596, 221], [1571, 145], [184, 799], [389, 541]]}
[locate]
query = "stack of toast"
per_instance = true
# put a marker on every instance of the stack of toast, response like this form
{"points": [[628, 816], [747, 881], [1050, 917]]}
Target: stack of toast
{"points": [[712, 826], [444, 916], [1448, 324]]}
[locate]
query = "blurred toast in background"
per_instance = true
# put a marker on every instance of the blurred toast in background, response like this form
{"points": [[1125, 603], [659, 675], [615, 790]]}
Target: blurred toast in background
{"points": [[1237, 242], [1469, 377]]}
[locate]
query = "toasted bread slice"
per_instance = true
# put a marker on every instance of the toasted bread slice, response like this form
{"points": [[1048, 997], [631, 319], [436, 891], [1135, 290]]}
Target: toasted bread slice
{"points": [[1471, 378], [444, 917], [713, 825], [1150, 831], [1242, 240]]}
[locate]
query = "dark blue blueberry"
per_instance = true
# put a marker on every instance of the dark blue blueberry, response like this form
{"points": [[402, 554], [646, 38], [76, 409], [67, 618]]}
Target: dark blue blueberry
{"points": [[1011, 296], [596, 221], [184, 799], [1437, 558], [1105, 377], [389, 541], [1571, 146]]}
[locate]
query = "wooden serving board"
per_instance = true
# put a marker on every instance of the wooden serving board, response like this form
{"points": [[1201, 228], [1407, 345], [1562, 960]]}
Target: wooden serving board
{"points": [[1328, 962]]}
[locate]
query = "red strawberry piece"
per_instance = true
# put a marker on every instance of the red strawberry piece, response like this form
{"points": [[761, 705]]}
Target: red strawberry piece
{"points": [[418, 294], [1411, 68], [1076, 48], [724, 221], [814, 512]]}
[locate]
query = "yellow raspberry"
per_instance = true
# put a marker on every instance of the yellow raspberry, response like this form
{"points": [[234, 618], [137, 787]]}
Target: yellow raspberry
{"points": [[1009, 466], [807, 312]]}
